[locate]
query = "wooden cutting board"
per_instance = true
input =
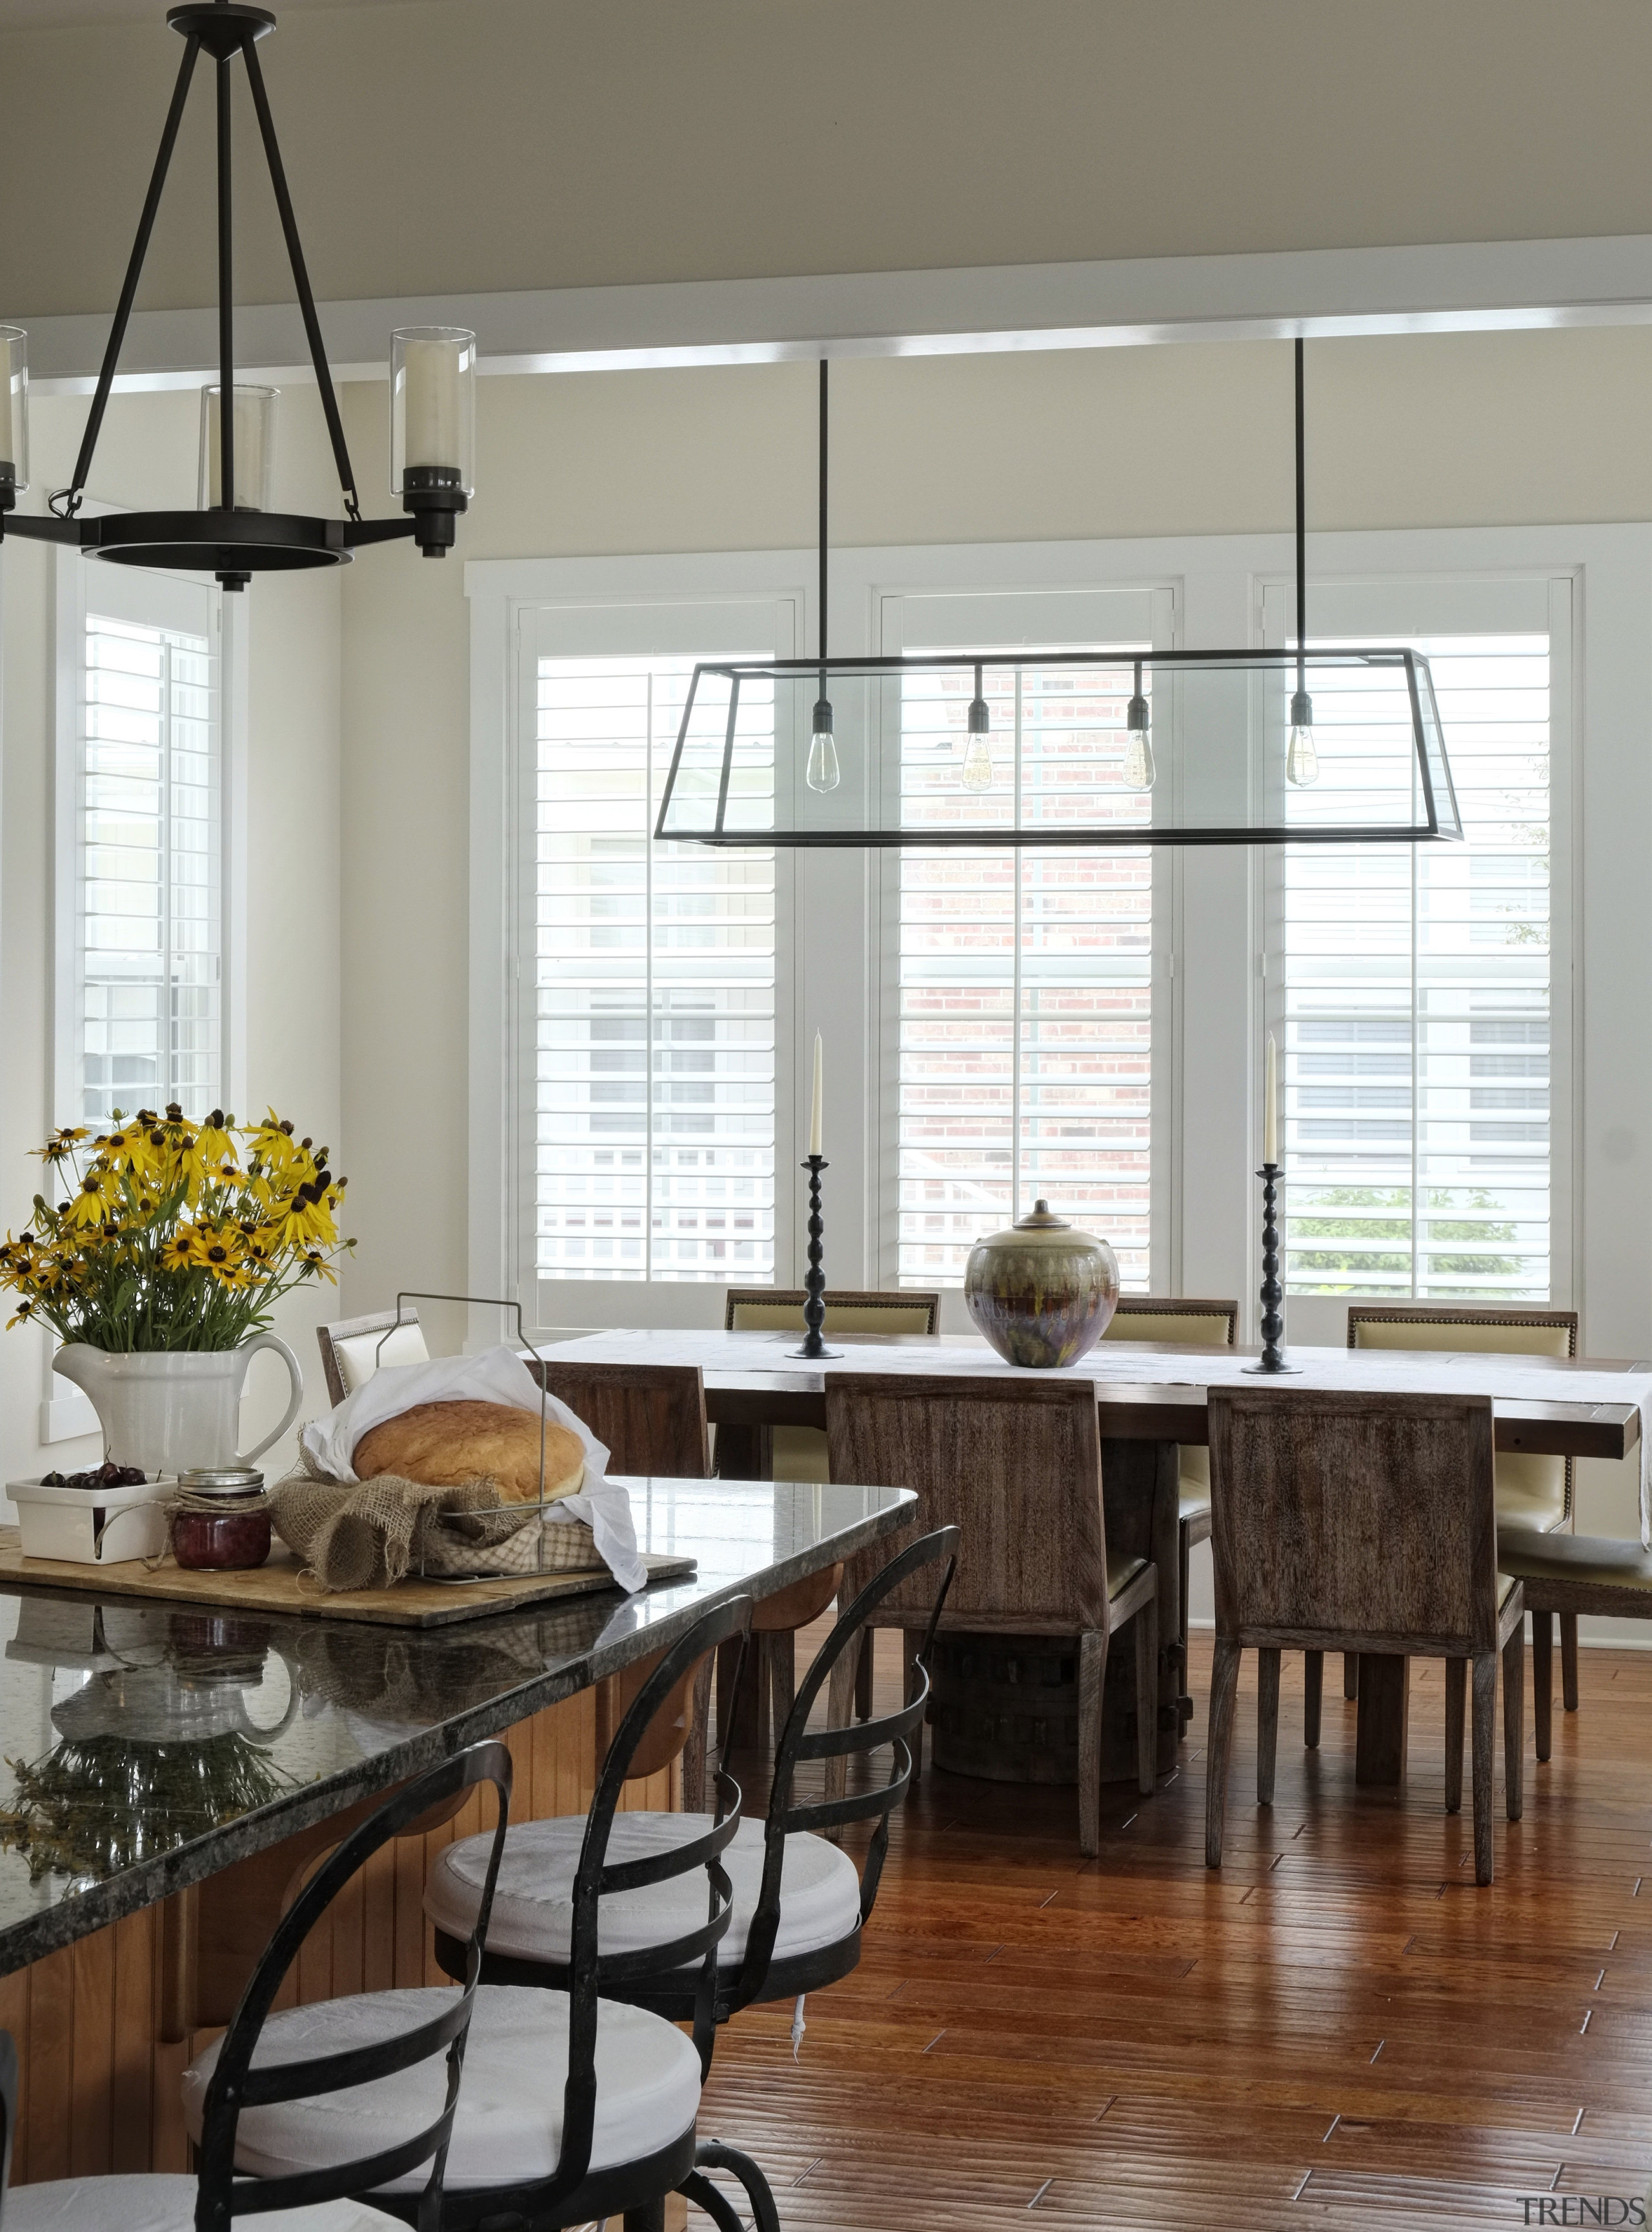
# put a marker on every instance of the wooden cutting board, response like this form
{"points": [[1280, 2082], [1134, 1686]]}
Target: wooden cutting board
{"points": [[274, 1587]]}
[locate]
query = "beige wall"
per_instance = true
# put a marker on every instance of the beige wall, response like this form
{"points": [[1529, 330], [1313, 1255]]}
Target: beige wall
{"points": [[148, 456], [466, 145]]}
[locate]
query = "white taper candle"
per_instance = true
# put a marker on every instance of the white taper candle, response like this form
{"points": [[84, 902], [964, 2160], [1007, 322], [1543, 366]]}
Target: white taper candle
{"points": [[1271, 1104], [815, 1104]]}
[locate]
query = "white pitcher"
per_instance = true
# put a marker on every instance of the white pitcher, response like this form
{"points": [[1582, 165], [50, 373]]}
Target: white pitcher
{"points": [[168, 1411]]}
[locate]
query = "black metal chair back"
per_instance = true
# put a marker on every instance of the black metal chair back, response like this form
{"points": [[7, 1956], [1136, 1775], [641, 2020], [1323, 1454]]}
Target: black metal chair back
{"points": [[236, 2085], [590, 1968], [7, 2111], [796, 1743]]}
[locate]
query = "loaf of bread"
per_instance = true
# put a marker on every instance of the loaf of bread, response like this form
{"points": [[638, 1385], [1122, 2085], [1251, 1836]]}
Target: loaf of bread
{"points": [[448, 1443]]}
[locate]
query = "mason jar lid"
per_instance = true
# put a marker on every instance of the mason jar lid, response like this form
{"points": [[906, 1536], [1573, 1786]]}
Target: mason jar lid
{"points": [[228, 1481]]}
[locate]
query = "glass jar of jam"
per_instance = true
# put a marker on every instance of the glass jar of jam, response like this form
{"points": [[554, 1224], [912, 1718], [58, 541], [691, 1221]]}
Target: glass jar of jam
{"points": [[221, 1521]]}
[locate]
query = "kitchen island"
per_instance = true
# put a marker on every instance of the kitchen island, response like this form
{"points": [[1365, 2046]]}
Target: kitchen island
{"points": [[172, 1772]]}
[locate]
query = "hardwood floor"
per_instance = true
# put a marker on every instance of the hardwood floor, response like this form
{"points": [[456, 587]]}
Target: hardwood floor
{"points": [[1338, 2029]]}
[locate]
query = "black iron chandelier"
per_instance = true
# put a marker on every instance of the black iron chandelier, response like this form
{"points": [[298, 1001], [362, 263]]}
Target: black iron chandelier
{"points": [[1047, 748], [232, 533]]}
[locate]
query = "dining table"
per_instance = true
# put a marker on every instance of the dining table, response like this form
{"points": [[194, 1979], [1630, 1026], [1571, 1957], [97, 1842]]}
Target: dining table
{"points": [[1151, 1400]]}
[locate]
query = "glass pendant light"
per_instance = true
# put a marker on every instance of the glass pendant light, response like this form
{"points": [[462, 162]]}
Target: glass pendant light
{"points": [[977, 753], [1139, 770], [821, 771], [1214, 714], [1301, 756]]}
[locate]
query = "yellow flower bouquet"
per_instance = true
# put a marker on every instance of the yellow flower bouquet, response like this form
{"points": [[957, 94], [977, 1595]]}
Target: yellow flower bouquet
{"points": [[171, 1237]]}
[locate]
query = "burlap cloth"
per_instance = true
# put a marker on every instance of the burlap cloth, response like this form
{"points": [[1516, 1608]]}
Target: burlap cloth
{"points": [[371, 1534]]}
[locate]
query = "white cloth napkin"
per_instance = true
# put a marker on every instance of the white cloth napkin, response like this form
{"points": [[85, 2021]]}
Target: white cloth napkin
{"points": [[497, 1375]]}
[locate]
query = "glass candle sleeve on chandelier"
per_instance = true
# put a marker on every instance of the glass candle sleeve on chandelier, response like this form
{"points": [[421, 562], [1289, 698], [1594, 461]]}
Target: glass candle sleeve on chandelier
{"points": [[252, 437], [14, 427], [433, 409]]}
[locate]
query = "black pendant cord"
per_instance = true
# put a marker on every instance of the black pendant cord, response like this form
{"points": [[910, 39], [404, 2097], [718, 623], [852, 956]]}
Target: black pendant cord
{"points": [[225, 296], [300, 281], [67, 502], [824, 370], [1302, 532]]}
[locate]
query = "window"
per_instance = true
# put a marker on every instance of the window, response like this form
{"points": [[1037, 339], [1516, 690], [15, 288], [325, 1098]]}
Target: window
{"points": [[141, 850], [1417, 1012], [1085, 1026], [1021, 981], [650, 996]]}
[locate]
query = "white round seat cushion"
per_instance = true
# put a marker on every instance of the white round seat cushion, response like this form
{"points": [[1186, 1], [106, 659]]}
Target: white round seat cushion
{"points": [[144, 2203], [533, 1914], [509, 2127]]}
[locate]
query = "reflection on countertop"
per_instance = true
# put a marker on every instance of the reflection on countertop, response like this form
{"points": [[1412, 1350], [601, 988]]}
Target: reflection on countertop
{"points": [[148, 1743]]}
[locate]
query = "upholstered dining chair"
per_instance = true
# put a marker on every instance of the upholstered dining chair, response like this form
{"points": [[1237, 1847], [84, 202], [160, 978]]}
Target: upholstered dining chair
{"points": [[1184, 1324], [799, 1453], [1015, 1465], [353, 1349], [1568, 1574], [278, 2133], [1534, 1494], [1360, 1523]]}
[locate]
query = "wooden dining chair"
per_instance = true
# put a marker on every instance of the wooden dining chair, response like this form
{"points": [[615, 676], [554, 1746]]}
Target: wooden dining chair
{"points": [[1017, 1466], [353, 1349], [1186, 1325], [1534, 1494], [1360, 1523], [799, 1452]]}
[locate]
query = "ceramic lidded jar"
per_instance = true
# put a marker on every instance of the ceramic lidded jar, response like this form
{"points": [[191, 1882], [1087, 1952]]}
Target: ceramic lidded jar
{"points": [[1041, 1292]]}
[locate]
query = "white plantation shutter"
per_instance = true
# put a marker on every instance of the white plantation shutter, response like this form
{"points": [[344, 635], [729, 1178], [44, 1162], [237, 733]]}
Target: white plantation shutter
{"points": [[147, 867], [1021, 981], [651, 995], [1417, 1011]]}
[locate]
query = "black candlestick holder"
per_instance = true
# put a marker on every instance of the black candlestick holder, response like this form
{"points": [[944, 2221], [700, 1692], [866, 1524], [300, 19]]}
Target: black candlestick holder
{"points": [[814, 1279], [1272, 1356]]}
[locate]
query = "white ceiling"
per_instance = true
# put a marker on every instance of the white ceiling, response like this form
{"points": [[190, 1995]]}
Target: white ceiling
{"points": [[35, 15]]}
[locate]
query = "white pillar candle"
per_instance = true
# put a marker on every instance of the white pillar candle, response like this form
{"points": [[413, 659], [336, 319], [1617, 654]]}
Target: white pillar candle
{"points": [[1271, 1104], [814, 1104], [431, 373]]}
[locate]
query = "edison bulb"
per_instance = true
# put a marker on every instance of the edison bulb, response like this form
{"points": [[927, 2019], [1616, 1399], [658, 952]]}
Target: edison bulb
{"points": [[1301, 759], [1139, 770], [977, 765], [821, 772]]}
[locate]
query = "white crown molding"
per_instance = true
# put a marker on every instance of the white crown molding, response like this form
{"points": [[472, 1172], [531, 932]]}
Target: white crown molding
{"points": [[1486, 286]]}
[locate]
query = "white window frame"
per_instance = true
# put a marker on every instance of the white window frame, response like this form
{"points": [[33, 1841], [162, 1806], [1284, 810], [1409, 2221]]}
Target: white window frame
{"points": [[149, 597], [1390, 607], [1209, 997]]}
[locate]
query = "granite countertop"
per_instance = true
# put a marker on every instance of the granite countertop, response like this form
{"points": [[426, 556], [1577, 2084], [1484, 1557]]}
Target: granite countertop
{"points": [[147, 1745]]}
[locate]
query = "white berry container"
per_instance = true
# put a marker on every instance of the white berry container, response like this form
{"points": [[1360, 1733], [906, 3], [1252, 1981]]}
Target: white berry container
{"points": [[90, 1526]]}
